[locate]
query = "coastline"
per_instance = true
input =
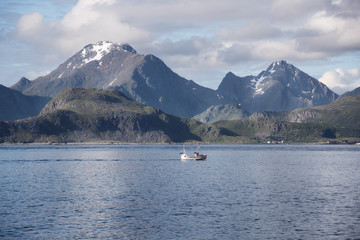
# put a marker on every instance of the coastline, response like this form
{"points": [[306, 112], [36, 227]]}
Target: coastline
{"points": [[357, 143]]}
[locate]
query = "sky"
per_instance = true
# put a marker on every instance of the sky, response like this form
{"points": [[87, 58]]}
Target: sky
{"points": [[200, 40]]}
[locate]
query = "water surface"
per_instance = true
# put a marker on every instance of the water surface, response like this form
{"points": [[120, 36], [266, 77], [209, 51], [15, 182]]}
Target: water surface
{"points": [[146, 192]]}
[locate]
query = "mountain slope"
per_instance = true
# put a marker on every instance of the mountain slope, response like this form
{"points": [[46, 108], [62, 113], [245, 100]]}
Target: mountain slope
{"points": [[158, 86], [343, 112], [280, 87], [21, 85], [87, 115], [236, 88], [147, 79], [355, 92], [264, 130], [144, 78], [96, 65], [14, 105], [83, 114], [222, 112]]}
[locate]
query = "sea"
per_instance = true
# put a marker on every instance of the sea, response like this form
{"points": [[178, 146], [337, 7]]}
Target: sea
{"points": [[147, 192]]}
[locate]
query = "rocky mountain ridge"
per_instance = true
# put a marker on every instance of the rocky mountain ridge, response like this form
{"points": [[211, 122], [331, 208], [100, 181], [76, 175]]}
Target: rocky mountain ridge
{"points": [[144, 78], [280, 87], [355, 92], [147, 79]]}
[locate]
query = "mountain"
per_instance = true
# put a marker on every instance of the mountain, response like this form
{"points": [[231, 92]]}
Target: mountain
{"points": [[15, 105], [222, 112], [22, 84], [343, 112], [355, 92], [147, 79], [280, 87], [265, 130], [236, 88], [144, 78], [84, 114], [93, 115]]}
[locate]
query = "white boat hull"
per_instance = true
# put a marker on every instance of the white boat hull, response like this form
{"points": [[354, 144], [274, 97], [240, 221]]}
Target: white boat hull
{"points": [[197, 156], [185, 157]]}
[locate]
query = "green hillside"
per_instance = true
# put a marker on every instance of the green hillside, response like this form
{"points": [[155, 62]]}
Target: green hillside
{"points": [[83, 114], [263, 130], [93, 115], [343, 112], [222, 112]]}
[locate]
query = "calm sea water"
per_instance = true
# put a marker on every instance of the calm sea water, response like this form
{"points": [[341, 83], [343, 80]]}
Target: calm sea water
{"points": [[146, 192]]}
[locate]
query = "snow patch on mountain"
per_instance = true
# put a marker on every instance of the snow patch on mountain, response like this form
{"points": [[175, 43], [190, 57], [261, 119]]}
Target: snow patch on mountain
{"points": [[258, 88], [96, 51], [272, 70], [257, 85]]}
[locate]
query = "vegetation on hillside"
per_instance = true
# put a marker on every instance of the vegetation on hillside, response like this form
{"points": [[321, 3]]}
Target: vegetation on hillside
{"points": [[344, 112], [83, 114], [265, 130], [92, 115], [222, 112]]}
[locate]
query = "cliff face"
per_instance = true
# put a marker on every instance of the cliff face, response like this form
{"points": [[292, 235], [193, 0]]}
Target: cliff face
{"points": [[303, 115]]}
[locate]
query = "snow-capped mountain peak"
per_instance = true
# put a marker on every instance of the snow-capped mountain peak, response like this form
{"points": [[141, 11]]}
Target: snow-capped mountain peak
{"points": [[278, 65], [91, 53], [127, 48], [266, 78], [97, 51], [281, 63]]}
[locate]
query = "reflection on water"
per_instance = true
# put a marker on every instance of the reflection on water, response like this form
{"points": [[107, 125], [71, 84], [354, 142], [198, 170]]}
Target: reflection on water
{"points": [[146, 192]]}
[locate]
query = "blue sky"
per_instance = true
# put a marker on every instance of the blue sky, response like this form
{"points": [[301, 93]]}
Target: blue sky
{"points": [[200, 40]]}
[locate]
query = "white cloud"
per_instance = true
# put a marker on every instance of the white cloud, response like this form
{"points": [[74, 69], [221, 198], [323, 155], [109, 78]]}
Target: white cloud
{"points": [[87, 22], [341, 80], [33, 74], [30, 24], [251, 31], [287, 50], [197, 34], [254, 25], [265, 50], [331, 33], [285, 10]]}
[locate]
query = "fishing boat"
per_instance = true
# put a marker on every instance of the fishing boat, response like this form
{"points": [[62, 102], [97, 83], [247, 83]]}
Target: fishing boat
{"points": [[196, 156]]}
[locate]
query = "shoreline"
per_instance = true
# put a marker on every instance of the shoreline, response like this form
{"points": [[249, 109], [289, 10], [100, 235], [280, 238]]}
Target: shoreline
{"points": [[108, 143]]}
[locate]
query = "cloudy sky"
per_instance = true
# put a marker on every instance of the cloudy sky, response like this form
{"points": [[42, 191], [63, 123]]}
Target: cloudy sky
{"points": [[200, 40]]}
